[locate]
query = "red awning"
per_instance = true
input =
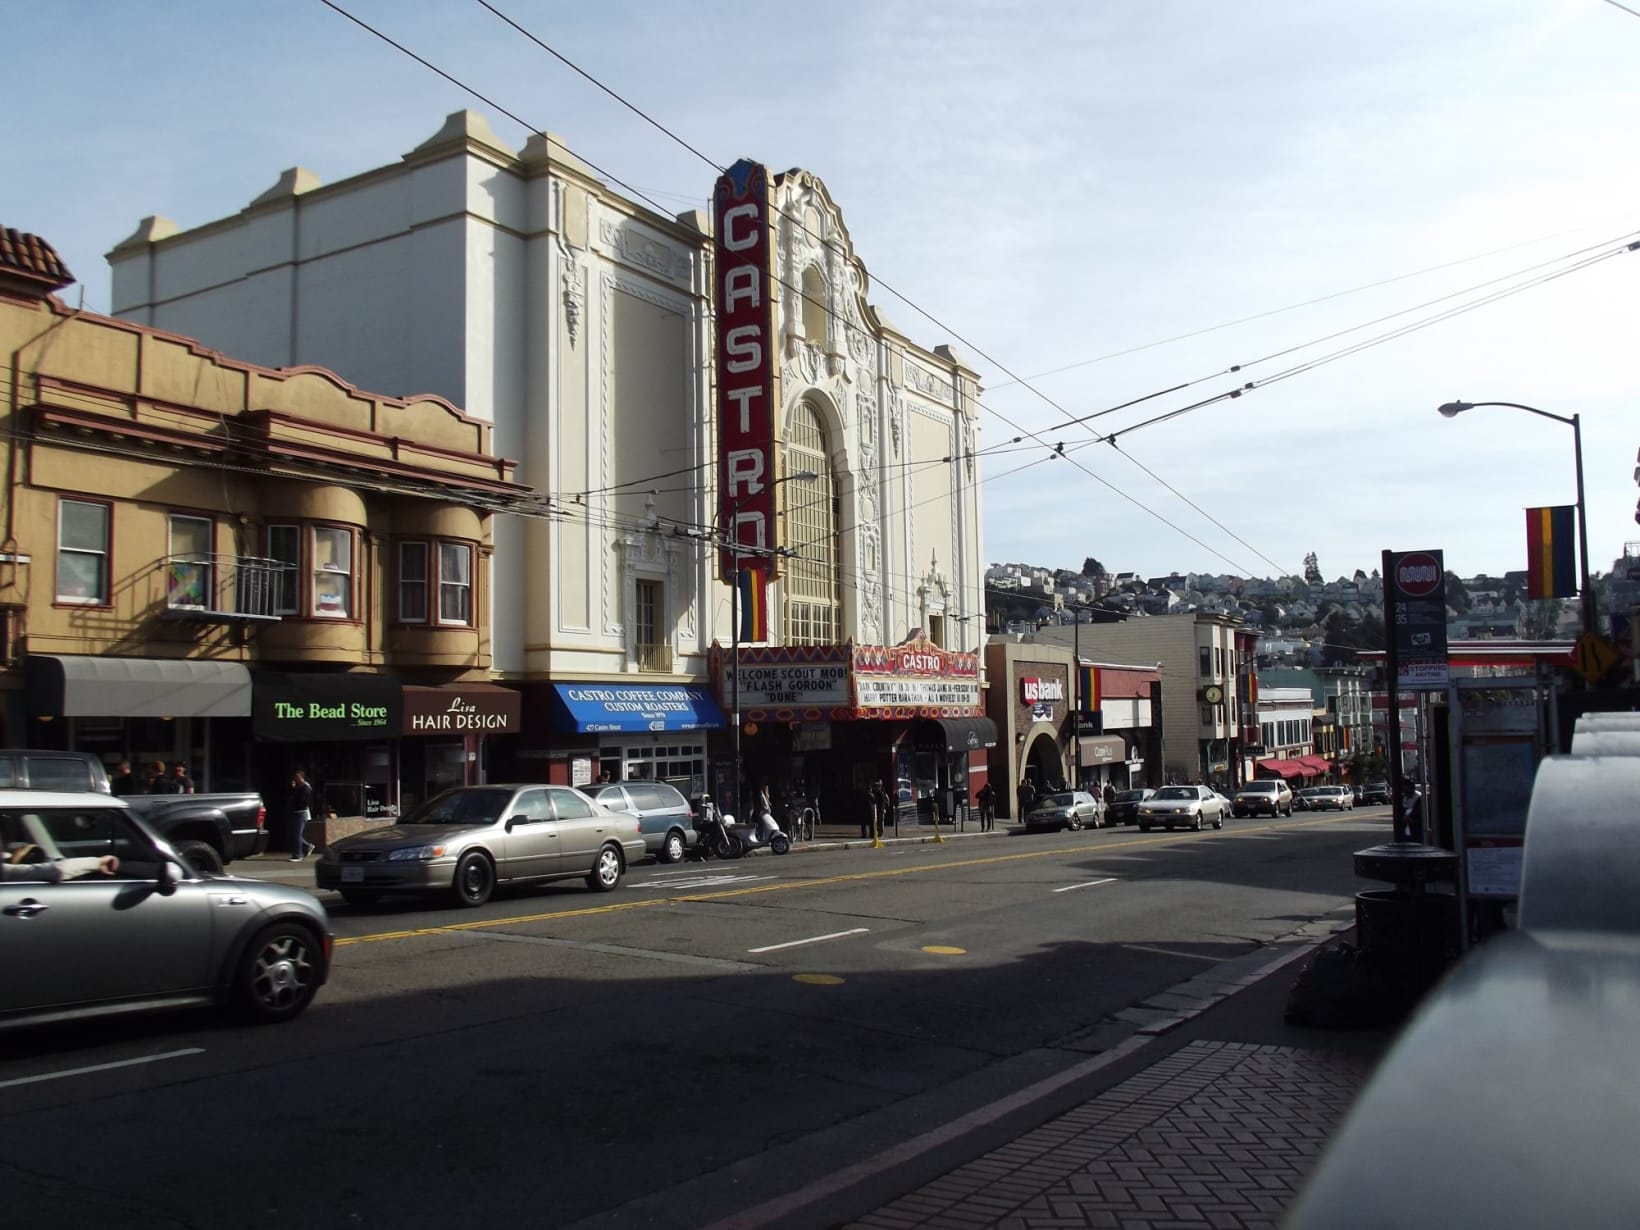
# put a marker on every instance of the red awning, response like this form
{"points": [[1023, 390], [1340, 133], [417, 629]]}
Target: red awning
{"points": [[1314, 764], [1283, 768]]}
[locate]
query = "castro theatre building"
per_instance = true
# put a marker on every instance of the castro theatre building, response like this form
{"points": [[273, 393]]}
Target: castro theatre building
{"points": [[729, 446]]}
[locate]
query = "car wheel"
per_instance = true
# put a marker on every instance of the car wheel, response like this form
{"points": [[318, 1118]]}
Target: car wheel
{"points": [[606, 872], [1143, 827], [201, 857], [1196, 823], [673, 847], [360, 896], [1074, 824], [278, 974], [1218, 820], [474, 880]]}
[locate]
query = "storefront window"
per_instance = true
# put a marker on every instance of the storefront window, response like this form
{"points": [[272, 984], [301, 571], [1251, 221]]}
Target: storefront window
{"points": [[679, 764]]}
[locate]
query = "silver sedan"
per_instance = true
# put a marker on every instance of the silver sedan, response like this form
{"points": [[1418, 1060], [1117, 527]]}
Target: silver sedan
{"points": [[98, 915], [469, 839], [1192, 807]]}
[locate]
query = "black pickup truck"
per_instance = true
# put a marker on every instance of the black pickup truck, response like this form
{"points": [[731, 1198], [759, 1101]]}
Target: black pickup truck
{"points": [[209, 830]]}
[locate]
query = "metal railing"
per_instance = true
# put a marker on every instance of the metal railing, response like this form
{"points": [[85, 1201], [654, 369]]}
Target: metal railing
{"points": [[218, 588], [655, 658]]}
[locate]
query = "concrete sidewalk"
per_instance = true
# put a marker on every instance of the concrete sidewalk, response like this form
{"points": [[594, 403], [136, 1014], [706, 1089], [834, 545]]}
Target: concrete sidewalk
{"points": [[1208, 1118]]}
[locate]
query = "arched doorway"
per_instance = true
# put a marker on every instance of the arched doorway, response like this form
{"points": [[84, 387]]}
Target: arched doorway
{"points": [[1042, 762]]}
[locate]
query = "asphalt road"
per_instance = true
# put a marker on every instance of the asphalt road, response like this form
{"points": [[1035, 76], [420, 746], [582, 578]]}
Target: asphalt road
{"points": [[703, 1039]]}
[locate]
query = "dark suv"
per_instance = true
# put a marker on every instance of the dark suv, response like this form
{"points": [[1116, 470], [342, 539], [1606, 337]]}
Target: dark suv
{"points": [[1375, 794], [668, 821]]}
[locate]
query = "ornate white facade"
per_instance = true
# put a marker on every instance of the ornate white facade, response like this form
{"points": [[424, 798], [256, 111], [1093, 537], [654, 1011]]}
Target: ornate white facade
{"points": [[529, 293]]}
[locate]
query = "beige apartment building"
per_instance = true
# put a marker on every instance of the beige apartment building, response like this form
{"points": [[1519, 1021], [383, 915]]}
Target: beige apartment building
{"points": [[1206, 662], [247, 569]]}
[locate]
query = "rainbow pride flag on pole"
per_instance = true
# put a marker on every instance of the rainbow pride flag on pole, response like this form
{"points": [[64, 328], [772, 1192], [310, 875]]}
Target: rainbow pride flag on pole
{"points": [[1087, 695], [1551, 552], [754, 605]]}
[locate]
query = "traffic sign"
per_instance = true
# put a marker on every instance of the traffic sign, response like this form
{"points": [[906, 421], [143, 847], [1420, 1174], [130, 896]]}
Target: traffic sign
{"points": [[1593, 656], [1418, 574]]}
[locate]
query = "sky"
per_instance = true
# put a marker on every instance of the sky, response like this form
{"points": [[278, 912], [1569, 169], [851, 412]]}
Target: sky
{"points": [[1093, 202]]}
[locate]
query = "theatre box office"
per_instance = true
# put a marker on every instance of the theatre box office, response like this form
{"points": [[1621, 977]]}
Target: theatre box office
{"points": [[373, 747]]}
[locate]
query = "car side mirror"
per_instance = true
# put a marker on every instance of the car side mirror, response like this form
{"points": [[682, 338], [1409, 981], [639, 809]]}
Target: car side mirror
{"points": [[171, 876]]}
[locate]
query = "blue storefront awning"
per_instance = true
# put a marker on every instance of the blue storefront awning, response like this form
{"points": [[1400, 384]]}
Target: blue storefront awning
{"points": [[618, 708]]}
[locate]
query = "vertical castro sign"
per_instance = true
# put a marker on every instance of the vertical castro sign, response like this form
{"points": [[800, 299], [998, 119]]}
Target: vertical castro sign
{"points": [[745, 365], [1417, 618]]}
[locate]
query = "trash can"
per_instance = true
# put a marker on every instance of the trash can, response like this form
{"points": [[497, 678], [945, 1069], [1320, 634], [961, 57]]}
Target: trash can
{"points": [[1409, 936]]}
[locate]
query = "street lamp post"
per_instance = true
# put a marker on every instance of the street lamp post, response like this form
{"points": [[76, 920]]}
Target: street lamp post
{"points": [[734, 613], [1590, 604]]}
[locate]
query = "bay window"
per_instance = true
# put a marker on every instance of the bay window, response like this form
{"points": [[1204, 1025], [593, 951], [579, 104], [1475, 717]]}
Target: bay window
{"points": [[441, 568], [323, 555]]}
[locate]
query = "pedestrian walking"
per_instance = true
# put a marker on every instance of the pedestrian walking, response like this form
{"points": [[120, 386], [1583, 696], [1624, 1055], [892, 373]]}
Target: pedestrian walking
{"points": [[884, 804], [301, 811], [986, 797], [179, 776]]}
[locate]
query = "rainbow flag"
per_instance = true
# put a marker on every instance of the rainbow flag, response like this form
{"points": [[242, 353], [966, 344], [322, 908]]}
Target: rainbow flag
{"points": [[1087, 693], [754, 605], [1551, 553]]}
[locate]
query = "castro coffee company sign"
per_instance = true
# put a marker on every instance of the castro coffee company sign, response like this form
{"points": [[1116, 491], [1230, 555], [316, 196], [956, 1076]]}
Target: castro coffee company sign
{"points": [[458, 711], [1416, 615]]}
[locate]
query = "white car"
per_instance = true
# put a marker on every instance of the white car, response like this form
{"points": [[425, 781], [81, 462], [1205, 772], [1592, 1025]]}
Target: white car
{"points": [[1192, 807]]}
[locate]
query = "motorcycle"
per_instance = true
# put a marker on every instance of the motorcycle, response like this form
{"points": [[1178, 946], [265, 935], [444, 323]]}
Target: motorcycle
{"points": [[715, 836]]}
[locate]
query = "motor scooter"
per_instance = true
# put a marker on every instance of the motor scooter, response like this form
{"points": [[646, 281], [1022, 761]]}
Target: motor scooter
{"points": [[756, 836]]}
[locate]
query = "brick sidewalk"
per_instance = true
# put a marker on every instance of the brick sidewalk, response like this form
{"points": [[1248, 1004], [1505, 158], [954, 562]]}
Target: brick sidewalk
{"points": [[1216, 1136]]}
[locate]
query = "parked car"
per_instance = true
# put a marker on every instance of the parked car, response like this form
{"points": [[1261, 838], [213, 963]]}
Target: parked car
{"points": [[1191, 806], [1064, 809], [208, 830], [1326, 798], [33, 768], [468, 839], [667, 820], [1375, 794], [83, 934], [1268, 796], [1124, 808]]}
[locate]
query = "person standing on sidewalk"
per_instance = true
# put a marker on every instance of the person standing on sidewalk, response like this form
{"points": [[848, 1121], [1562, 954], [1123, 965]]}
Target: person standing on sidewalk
{"points": [[1027, 797], [986, 797], [124, 781], [301, 811], [881, 805]]}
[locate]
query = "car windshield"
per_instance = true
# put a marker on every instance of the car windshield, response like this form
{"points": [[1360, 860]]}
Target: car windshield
{"points": [[1056, 800], [1130, 796], [462, 806], [1260, 787], [1176, 792]]}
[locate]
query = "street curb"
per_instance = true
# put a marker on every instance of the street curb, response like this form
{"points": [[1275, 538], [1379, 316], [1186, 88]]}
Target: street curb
{"points": [[773, 1211]]}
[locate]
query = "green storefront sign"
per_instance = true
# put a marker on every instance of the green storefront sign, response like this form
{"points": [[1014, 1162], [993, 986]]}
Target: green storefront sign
{"points": [[293, 708]]}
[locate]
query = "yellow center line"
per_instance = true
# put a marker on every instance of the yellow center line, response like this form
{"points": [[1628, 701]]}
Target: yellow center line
{"points": [[789, 885]]}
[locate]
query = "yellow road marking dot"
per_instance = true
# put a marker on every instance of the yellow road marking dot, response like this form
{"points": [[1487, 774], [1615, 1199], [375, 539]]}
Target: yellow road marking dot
{"points": [[818, 980], [944, 950]]}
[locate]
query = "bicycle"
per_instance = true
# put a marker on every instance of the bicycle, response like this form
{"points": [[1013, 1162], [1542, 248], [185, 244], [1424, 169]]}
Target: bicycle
{"points": [[800, 822]]}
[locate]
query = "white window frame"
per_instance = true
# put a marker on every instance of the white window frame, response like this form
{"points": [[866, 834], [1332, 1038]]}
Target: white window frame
{"points": [[315, 572], [203, 562], [462, 588], [102, 555]]}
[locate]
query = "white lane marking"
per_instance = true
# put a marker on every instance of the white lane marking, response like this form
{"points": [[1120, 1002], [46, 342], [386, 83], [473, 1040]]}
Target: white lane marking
{"points": [[617, 950], [1088, 884], [813, 939], [100, 1067], [1172, 952], [703, 882]]}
